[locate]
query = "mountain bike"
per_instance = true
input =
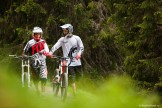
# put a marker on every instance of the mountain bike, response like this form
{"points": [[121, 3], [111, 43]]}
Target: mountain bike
{"points": [[60, 81], [25, 65]]}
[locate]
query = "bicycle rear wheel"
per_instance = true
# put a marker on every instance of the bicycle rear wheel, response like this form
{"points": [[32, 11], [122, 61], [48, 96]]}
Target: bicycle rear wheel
{"points": [[64, 86]]}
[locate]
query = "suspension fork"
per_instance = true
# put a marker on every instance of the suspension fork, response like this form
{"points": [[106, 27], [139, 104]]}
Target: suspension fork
{"points": [[28, 72], [22, 75], [63, 68], [25, 64]]}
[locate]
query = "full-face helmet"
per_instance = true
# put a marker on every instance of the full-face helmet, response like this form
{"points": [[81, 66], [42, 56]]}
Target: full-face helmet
{"points": [[68, 26], [36, 31]]}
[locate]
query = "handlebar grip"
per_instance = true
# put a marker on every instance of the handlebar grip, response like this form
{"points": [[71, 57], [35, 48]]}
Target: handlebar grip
{"points": [[12, 55]]}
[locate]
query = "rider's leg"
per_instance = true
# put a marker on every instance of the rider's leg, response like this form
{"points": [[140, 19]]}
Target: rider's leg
{"points": [[43, 77], [76, 73], [43, 84], [36, 85], [74, 88], [35, 78], [73, 76]]}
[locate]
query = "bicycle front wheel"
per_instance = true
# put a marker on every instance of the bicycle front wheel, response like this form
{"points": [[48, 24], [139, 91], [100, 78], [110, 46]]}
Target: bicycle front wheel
{"points": [[64, 86], [25, 80], [55, 88]]}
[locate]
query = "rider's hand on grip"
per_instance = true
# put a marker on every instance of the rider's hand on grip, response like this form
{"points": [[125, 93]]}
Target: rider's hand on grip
{"points": [[23, 55], [78, 56], [48, 54], [45, 53]]}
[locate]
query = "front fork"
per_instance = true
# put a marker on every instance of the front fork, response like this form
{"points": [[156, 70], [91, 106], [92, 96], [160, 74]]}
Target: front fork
{"points": [[63, 69], [25, 73]]}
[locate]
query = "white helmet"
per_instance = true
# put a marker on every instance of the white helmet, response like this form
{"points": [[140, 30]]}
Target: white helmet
{"points": [[68, 26], [37, 30]]}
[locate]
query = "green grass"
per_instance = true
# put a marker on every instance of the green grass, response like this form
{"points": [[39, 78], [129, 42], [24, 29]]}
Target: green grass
{"points": [[116, 92]]}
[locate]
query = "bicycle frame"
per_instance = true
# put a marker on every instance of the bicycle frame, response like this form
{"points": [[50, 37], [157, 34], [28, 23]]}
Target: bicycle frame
{"points": [[62, 77], [63, 67]]}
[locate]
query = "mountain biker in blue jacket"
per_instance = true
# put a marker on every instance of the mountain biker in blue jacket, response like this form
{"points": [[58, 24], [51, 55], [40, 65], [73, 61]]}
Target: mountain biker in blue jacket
{"points": [[72, 45], [37, 48]]}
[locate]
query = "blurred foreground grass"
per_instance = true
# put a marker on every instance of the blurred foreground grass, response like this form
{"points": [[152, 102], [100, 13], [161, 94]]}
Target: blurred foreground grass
{"points": [[116, 92]]}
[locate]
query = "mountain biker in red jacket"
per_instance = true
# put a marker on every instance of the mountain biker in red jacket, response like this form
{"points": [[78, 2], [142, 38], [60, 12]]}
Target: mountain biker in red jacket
{"points": [[37, 48]]}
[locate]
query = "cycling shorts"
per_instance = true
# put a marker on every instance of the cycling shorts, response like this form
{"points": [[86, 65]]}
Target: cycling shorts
{"points": [[75, 73], [40, 70]]}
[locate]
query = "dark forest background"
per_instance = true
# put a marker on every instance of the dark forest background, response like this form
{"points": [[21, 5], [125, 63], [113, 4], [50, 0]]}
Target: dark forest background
{"points": [[120, 36]]}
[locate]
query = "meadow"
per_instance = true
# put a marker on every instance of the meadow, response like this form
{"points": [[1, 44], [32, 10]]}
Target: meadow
{"points": [[115, 92]]}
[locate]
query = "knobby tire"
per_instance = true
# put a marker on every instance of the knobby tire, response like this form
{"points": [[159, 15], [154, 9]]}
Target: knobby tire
{"points": [[64, 87]]}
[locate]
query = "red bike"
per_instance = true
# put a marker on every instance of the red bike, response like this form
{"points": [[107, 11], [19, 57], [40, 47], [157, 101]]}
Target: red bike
{"points": [[60, 81]]}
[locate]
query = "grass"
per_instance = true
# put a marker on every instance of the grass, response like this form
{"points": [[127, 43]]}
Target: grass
{"points": [[116, 92]]}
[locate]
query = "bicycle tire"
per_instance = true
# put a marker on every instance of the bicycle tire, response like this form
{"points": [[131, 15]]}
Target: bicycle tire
{"points": [[56, 88], [64, 86]]}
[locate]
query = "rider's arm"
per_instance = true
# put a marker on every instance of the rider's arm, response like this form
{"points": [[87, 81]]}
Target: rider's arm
{"points": [[23, 54], [57, 45], [26, 48], [80, 45], [46, 47], [45, 51]]}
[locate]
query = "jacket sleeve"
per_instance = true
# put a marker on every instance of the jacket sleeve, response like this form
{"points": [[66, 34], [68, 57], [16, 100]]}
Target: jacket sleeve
{"points": [[46, 47], [26, 48], [56, 45], [80, 45]]}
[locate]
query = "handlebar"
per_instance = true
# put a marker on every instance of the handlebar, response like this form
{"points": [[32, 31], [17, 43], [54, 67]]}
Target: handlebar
{"points": [[21, 57], [62, 58]]}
